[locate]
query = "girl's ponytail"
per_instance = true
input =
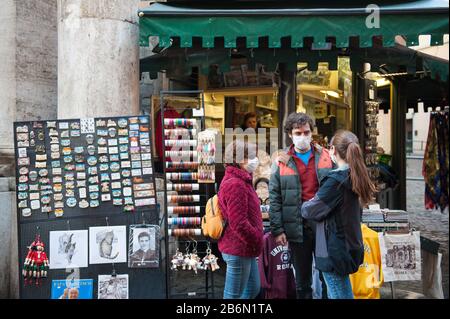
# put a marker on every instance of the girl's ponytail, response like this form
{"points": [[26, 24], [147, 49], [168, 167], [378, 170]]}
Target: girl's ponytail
{"points": [[361, 183]]}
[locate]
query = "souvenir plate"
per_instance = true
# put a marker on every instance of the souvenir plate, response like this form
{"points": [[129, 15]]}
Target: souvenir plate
{"points": [[94, 203], [144, 202], [122, 122], [33, 175], [123, 132], [134, 127], [83, 204], [117, 201], [93, 180], [69, 167], [134, 133], [23, 170], [114, 157], [51, 124], [144, 135], [136, 164], [68, 159], [92, 160], [69, 176], [126, 182], [46, 209], [45, 200], [106, 197], [54, 148], [87, 125], [34, 187], [123, 148], [112, 132], [101, 141], [65, 134], [93, 188], [89, 138], [135, 150], [112, 123], [123, 140], [94, 195], [71, 202], [103, 159], [104, 167], [102, 150], [79, 167], [126, 164], [133, 120], [91, 149], [115, 167], [135, 157], [75, 125], [43, 172], [26, 212], [112, 142], [104, 177], [65, 142], [70, 185], [57, 171], [124, 156], [117, 193], [23, 143], [79, 150], [126, 173], [81, 183], [67, 150], [136, 172]]}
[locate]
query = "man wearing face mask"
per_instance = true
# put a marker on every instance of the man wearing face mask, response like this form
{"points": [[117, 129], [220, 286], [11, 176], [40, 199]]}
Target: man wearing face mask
{"points": [[295, 178]]}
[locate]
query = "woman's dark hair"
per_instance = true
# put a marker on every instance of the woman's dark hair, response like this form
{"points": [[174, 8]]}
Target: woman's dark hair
{"points": [[347, 146], [296, 120], [247, 116], [237, 151]]}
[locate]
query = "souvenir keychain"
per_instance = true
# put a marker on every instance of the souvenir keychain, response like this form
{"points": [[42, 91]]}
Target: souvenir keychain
{"points": [[210, 261], [36, 263], [177, 260]]}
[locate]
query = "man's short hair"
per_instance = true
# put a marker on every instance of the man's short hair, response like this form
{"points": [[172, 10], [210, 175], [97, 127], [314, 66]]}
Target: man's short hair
{"points": [[296, 120], [143, 234]]}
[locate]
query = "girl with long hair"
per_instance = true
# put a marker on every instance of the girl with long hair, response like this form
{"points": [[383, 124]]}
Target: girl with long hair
{"points": [[337, 208]]}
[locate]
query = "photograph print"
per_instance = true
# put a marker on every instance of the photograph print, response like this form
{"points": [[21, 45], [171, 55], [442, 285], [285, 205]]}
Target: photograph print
{"points": [[144, 246], [68, 249], [72, 289], [107, 244], [112, 287]]}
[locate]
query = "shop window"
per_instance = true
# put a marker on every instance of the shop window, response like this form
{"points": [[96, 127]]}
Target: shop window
{"points": [[326, 95]]}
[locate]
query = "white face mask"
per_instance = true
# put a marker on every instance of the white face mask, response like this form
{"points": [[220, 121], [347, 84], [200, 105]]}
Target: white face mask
{"points": [[252, 165], [302, 142]]}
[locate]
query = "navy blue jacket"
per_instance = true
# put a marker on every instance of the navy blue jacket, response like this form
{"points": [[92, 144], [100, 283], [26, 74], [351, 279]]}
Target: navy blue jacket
{"points": [[336, 209]]}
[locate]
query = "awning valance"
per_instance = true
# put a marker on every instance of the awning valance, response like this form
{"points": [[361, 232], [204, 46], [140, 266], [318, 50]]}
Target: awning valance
{"points": [[338, 20]]}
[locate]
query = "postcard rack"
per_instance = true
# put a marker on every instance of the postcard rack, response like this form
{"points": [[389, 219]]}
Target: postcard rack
{"points": [[186, 197]]}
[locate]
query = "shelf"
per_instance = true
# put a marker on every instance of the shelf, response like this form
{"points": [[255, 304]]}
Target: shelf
{"points": [[266, 107]]}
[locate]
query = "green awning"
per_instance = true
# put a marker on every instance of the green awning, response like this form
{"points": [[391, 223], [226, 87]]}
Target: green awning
{"points": [[337, 20]]}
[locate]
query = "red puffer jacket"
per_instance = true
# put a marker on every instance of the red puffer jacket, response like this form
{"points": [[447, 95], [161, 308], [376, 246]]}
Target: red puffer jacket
{"points": [[240, 206]]}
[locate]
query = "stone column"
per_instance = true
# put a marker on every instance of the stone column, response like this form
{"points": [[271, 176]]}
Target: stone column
{"points": [[98, 58]]}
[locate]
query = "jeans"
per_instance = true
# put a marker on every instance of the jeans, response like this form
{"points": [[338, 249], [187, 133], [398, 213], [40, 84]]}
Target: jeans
{"points": [[242, 277], [338, 287], [318, 286]]}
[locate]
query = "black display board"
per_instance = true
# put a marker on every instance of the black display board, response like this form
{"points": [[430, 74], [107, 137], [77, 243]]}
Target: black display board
{"points": [[73, 155]]}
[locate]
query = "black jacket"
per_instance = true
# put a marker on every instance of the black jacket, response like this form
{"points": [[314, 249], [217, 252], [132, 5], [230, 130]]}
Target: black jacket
{"points": [[336, 208]]}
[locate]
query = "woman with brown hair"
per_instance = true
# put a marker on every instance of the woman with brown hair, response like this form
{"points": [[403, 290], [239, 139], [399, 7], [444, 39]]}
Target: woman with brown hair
{"points": [[242, 240], [337, 209]]}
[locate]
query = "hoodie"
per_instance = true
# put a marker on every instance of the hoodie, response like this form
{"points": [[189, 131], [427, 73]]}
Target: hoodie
{"points": [[336, 209]]}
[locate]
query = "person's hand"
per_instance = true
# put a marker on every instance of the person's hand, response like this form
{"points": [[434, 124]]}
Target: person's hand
{"points": [[66, 291], [281, 239], [281, 157]]}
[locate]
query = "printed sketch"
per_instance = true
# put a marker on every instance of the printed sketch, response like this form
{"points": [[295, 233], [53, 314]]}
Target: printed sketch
{"points": [[113, 287], [68, 249], [107, 245]]}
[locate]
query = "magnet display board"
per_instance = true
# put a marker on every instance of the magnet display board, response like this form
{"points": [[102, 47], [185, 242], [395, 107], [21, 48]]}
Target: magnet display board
{"points": [[80, 173]]}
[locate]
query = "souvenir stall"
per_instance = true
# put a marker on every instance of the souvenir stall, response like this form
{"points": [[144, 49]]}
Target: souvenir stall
{"points": [[88, 221]]}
